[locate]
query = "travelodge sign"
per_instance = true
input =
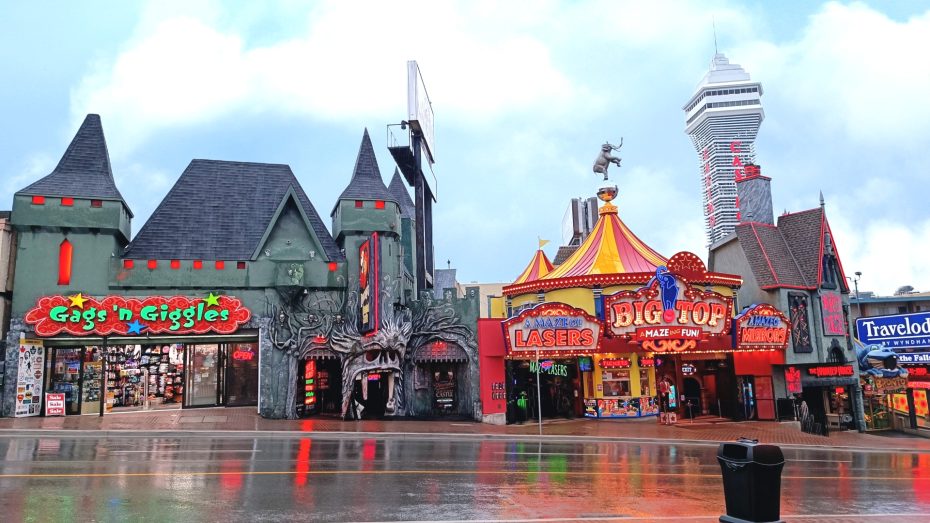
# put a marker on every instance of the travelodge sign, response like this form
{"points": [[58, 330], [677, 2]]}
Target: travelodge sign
{"points": [[668, 314], [552, 328]]}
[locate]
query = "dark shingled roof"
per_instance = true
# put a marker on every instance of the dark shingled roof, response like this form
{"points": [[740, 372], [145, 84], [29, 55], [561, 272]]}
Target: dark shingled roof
{"points": [[84, 170], [789, 254], [769, 256], [443, 279], [804, 232], [366, 183], [398, 190], [220, 210]]}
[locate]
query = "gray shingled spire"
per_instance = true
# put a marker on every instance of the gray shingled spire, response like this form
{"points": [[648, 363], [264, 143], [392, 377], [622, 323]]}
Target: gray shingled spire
{"points": [[84, 170], [366, 183], [399, 191]]}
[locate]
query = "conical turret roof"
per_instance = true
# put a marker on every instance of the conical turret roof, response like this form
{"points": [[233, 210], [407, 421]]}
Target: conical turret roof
{"points": [[84, 170], [611, 248], [538, 267], [399, 191], [366, 182]]}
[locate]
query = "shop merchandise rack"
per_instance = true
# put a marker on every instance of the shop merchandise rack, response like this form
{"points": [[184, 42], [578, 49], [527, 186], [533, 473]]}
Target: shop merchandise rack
{"points": [[126, 376]]}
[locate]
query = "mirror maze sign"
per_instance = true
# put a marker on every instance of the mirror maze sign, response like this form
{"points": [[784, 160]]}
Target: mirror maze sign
{"points": [[668, 315], [761, 327]]}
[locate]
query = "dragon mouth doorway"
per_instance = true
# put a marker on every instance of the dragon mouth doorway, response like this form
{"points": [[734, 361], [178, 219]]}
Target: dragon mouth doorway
{"points": [[374, 392]]}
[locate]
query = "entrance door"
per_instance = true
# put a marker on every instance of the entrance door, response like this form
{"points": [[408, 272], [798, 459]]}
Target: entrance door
{"points": [[692, 392], [371, 391], [64, 376], [747, 397], [242, 375], [203, 378]]}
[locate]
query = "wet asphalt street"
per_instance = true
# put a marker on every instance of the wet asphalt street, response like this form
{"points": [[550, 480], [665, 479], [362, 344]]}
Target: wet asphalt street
{"points": [[311, 479]]}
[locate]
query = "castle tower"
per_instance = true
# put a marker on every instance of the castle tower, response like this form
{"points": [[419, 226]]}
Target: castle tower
{"points": [[70, 223], [722, 118], [367, 226]]}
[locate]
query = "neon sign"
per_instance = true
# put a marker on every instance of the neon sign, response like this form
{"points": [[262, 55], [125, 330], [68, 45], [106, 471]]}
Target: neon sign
{"points": [[552, 327], [762, 327], [831, 371], [620, 363], [243, 354], [81, 316], [833, 323], [688, 369], [549, 367], [310, 383], [368, 274], [668, 315]]}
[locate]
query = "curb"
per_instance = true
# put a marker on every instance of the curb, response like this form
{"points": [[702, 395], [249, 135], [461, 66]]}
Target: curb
{"points": [[423, 436]]}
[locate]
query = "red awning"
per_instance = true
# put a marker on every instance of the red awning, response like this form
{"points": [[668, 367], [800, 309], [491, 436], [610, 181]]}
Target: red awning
{"points": [[440, 351]]}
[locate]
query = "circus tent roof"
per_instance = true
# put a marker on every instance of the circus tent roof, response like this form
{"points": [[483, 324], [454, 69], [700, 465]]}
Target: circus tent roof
{"points": [[611, 248], [538, 267]]}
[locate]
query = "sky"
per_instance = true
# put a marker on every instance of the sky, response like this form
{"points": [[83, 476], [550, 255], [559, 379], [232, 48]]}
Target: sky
{"points": [[524, 94]]}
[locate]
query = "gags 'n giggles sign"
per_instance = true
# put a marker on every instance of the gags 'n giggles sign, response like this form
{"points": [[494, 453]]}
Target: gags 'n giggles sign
{"points": [[83, 316]]}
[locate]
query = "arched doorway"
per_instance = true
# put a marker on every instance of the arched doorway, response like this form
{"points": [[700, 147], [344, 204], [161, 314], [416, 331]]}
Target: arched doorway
{"points": [[326, 382], [440, 380]]}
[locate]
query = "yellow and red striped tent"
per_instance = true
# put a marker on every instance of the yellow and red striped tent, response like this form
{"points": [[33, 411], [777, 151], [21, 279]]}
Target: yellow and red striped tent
{"points": [[611, 248], [539, 266]]}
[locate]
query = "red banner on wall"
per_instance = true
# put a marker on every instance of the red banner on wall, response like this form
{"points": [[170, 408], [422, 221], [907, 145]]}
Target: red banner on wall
{"points": [[83, 316]]}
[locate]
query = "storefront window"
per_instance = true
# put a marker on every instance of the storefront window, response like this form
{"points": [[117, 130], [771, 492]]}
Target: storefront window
{"points": [[616, 383], [91, 380], [65, 377], [145, 375], [644, 383]]}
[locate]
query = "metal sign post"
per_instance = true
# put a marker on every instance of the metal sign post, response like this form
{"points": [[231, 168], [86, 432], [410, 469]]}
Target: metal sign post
{"points": [[538, 393], [103, 376]]}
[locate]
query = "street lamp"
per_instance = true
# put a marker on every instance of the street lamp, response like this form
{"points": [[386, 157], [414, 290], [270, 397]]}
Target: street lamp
{"points": [[856, 284]]}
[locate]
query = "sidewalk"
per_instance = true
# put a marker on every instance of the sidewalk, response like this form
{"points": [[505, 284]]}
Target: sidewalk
{"points": [[243, 421]]}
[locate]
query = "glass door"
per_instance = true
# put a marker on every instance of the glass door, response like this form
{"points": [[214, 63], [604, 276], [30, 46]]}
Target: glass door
{"points": [[65, 376], [203, 376], [242, 374]]}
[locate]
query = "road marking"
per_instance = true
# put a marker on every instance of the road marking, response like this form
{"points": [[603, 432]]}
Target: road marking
{"points": [[421, 472], [712, 517], [214, 451], [554, 453], [824, 460]]}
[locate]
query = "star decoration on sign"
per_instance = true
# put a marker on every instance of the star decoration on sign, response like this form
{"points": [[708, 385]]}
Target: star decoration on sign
{"points": [[135, 327], [77, 300], [212, 299]]}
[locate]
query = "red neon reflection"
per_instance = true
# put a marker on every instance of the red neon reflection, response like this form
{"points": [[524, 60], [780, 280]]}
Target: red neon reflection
{"points": [[303, 463], [65, 253], [231, 477], [369, 449]]}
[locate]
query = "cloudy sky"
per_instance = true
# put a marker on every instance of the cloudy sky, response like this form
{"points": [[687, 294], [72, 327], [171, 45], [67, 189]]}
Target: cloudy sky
{"points": [[524, 94]]}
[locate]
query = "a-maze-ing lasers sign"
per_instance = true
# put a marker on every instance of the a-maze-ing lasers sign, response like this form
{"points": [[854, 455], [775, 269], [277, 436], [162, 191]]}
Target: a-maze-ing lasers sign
{"points": [[552, 328]]}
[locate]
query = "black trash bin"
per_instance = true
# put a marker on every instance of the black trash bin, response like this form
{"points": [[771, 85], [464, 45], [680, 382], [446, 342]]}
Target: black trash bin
{"points": [[751, 480]]}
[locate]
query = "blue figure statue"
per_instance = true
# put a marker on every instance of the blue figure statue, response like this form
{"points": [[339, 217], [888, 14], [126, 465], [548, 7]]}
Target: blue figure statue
{"points": [[668, 292], [879, 361]]}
